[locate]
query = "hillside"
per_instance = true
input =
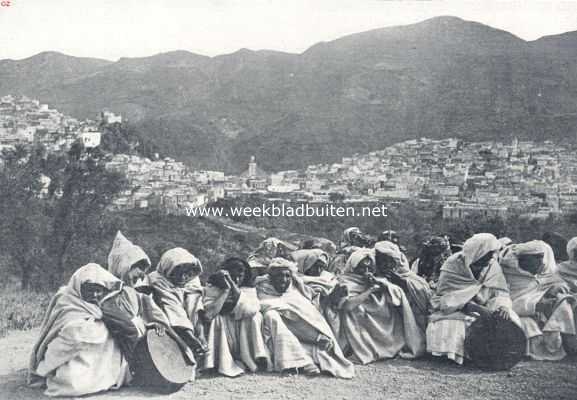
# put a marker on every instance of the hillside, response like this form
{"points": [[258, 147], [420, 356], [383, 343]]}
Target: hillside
{"points": [[444, 77]]}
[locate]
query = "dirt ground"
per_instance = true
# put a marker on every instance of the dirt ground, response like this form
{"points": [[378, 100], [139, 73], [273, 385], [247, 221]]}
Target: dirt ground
{"points": [[394, 379]]}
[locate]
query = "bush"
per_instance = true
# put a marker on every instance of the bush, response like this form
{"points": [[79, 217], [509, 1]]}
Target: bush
{"points": [[21, 309]]}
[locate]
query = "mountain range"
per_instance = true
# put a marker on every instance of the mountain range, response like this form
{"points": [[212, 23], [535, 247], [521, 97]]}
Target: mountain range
{"points": [[443, 77]]}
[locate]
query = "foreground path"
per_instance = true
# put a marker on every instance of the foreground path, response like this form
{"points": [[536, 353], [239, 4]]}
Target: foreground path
{"points": [[397, 379]]}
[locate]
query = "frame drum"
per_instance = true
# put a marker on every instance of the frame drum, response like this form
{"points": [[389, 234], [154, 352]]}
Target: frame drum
{"points": [[495, 344], [159, 364]]}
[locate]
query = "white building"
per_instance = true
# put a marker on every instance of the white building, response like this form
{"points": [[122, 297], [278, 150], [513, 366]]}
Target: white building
{"points": [[110, 118], [90, 139]]}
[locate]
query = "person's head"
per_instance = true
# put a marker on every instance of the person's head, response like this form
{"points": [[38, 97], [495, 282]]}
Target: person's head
{"points": [[433, 254], [388, 257], [179, 266], [270, 247], [361, 239], [482, 263], [572, 249], [361, 262], [436, 246], [137, 272], [532, 263], [91, 283], [320, 243], [350, 237], [384, 262], [390, 236], [531, 256], [238, 270], [365, 266], [127, 261], [317, 268], [280, 272], [92, 292], [183, 274], [280, 279], [311, 262], [479, 251]]}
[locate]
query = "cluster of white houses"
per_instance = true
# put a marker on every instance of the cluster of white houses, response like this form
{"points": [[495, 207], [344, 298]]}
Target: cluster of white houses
{"points": [[164, 183], [462, 178], [456, 177], [27, 121]]}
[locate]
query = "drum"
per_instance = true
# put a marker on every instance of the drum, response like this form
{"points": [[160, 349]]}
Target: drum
{"points": [[495, 344], [159, 364]]}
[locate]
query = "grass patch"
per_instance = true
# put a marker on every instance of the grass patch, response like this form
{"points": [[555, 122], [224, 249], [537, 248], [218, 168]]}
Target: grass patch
{"points": [[21, 310]]}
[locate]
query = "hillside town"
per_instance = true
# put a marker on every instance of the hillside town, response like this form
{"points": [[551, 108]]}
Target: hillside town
{"points": [[159, 183], [27, 121], [461, 178], [450, 176]]}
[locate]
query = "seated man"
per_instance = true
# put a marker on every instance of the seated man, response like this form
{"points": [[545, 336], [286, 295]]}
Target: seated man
{"points": [[177, 290], [434, 252], [324, 244], [268, 249], [295, 331], [471, 285], [393, 237], [75, 354], [374, 318], [351, 240], [312, 266], [235, 342], [540, 297], [392, 264], [127, 313]]}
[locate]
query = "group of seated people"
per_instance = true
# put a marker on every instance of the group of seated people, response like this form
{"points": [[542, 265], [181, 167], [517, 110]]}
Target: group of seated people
{"points": [[309, 310]]}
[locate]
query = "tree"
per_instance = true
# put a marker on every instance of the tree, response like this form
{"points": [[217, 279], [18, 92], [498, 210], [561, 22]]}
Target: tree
{"points": [[22, 212], [87, 190]]}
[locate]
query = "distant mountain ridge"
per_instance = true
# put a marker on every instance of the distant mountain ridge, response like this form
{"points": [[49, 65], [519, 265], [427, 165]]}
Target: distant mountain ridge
{"points": [[443, 77]]}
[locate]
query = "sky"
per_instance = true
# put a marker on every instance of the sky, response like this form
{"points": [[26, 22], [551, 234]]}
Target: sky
{"points": [[111, 29]]}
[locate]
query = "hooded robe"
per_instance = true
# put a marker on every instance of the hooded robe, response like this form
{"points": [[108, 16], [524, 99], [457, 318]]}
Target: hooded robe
{"points": [[321, 285], [458, 286], [181, 305], [128, 312], [293, 325], [75, 354], [383, 326], [544, 333], [416, 288], [235, 340]]}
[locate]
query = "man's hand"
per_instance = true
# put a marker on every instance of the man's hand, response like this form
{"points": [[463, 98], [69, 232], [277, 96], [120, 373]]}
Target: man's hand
{"points": [[503, 313], [230, 282], [158, 328], [545, 306], [325, 343], [374, 285], [339, 292], [199, 346], [370, 278], [226, 279], [378, 289], [474, 308]]}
